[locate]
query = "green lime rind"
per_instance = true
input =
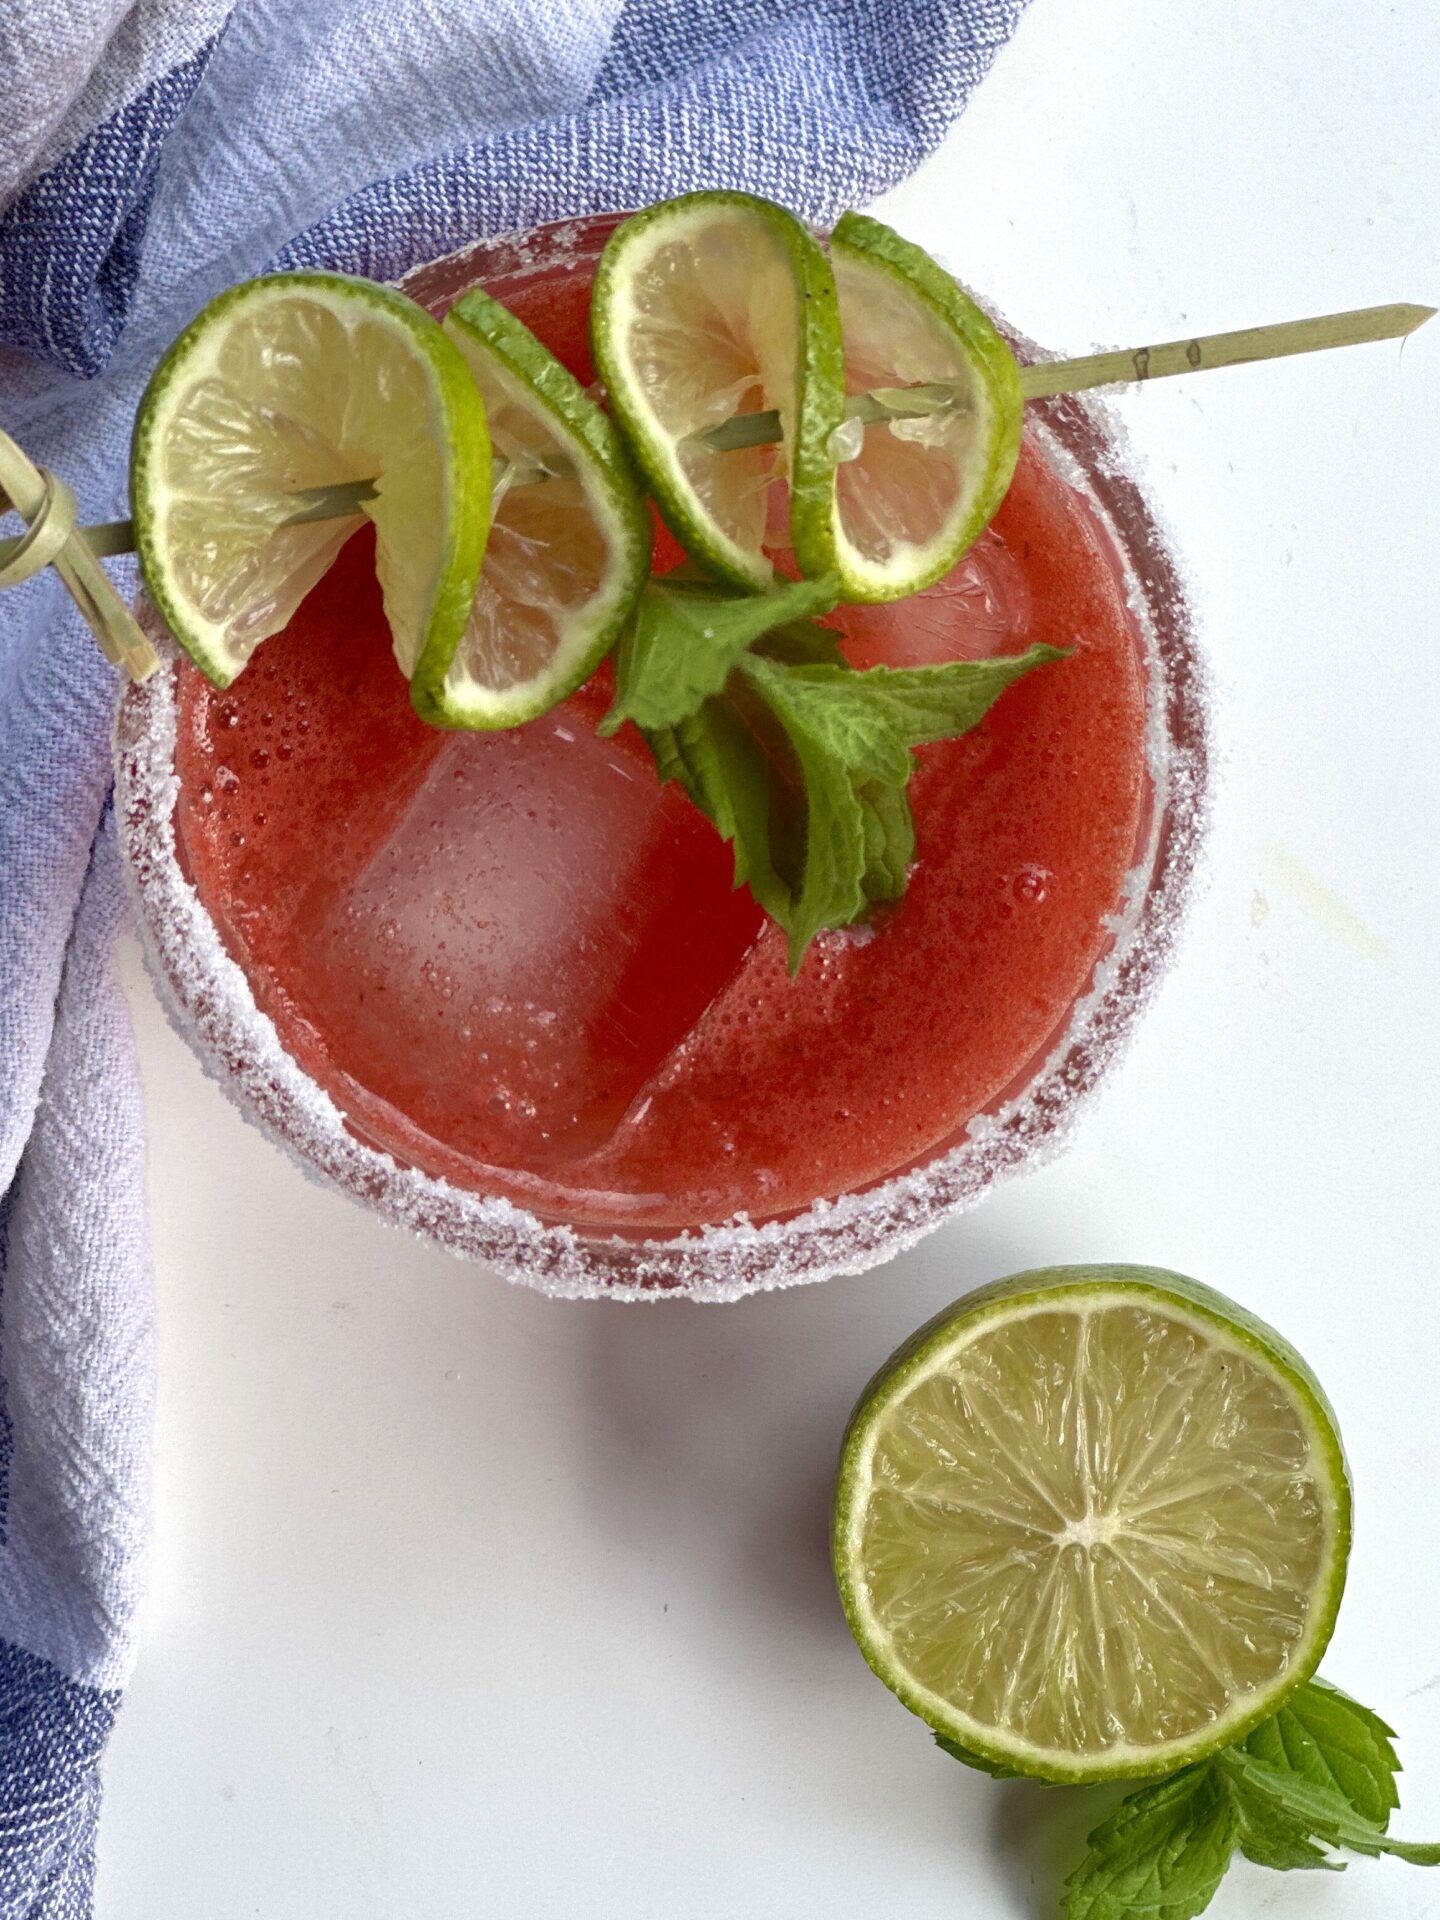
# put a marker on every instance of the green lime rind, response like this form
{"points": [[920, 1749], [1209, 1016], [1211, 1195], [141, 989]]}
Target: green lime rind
{"points": [[460, 428], [816, 409], [923, 279], [481, 327], [1215, 1315]]}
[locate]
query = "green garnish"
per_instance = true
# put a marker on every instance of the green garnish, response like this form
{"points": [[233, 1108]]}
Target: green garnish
{"points": [[1317, 1776], [799, 760], [1091, 1524], [853, 735], [688, 633]]}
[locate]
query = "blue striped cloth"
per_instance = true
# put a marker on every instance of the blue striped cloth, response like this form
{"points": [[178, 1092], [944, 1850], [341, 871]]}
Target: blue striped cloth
{"points": [[150, 155]]}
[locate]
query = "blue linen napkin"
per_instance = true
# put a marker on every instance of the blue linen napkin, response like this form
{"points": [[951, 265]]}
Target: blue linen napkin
{"points": [[154, 153]]}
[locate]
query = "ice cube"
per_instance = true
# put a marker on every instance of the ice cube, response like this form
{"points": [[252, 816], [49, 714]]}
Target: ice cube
{"points": [[541, 928], [980, 608]]}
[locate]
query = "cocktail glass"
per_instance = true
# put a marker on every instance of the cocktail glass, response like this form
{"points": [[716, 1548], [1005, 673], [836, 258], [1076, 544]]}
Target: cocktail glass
{"points": [[386, 1116]]}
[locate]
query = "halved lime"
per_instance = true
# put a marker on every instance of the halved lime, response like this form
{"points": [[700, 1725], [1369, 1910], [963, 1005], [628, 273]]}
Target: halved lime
{"points": [[918, 491], [294, 382], [706, 306], [569, 541], [1092, 1523]]}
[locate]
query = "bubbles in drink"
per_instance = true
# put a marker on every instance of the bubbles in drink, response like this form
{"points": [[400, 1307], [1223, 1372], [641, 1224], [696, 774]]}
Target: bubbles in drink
{"points": [[1029, 884]]}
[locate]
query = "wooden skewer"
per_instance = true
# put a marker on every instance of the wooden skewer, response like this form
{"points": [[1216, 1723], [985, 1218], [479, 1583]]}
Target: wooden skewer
{"points": [[109, 537], [1123, 366], [1213, 350], [763, 429], [75, 552]]}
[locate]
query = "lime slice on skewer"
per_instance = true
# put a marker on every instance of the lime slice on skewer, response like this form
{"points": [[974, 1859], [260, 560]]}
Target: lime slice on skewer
{"points": [[918, 491], [1092, 1523], [300, 381], [570, 536], [706, 306]]}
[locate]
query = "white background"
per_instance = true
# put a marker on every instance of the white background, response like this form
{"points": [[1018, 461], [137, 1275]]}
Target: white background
{"points": [[468, 1603]]}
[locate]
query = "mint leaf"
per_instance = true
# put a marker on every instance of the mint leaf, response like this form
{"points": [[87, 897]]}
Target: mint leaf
{"points": [[1281, 1844], [687, 635], [802, 643], [1327, 1738], [1162, 1853], [832, 838], [852, 737], [1276, 1795], [917, 704], [889, 840], [835, 711], [723, 768], [1274, 1835]]}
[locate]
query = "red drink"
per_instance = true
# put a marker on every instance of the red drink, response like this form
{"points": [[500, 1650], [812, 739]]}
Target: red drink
{"points": [[515, 962]]}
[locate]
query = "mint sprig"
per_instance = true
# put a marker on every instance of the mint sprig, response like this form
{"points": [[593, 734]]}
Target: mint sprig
{"points": [[1316, 1778], [853, 736], [800, 761]]}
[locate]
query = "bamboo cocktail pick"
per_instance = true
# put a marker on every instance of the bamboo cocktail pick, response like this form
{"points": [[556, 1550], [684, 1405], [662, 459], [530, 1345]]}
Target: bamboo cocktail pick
{"points": [[1125, 366], [53, 539]]}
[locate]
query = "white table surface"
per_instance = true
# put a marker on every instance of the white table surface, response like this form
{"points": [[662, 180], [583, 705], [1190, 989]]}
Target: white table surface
{"points": [[470, 1603]]}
